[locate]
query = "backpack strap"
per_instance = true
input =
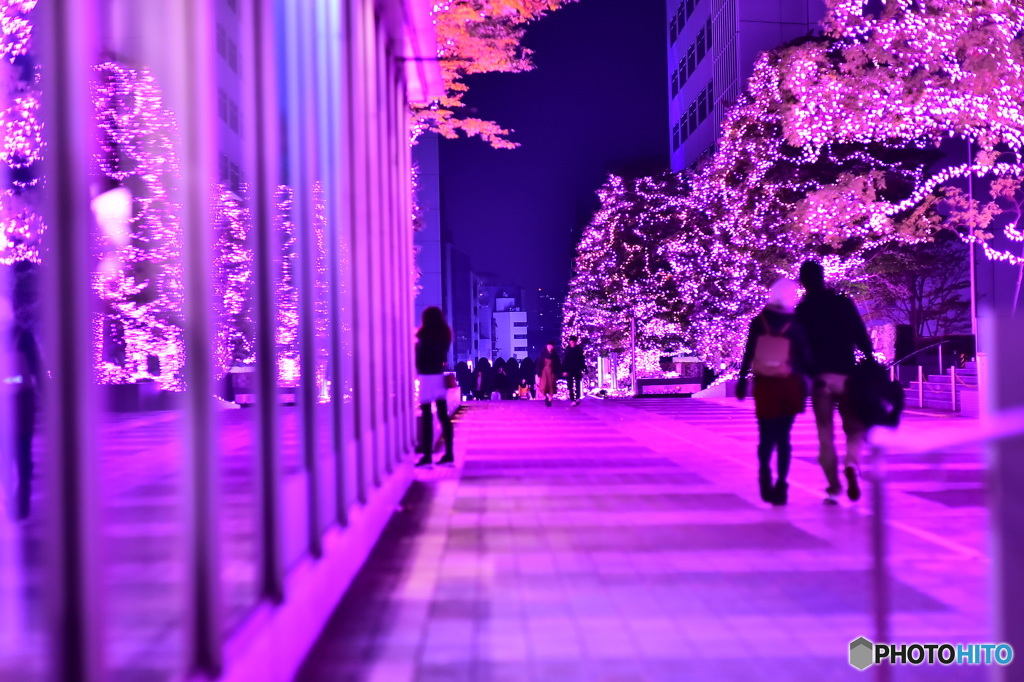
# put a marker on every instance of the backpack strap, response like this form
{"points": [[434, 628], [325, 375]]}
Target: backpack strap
{"points": [[768, 329]]}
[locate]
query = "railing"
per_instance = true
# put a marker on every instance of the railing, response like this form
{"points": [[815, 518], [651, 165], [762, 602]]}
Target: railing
{"points": [[885, 442], [893, 374]]}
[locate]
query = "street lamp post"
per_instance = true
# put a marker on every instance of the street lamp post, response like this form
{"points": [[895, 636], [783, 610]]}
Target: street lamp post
{"points": [[632, 361]]}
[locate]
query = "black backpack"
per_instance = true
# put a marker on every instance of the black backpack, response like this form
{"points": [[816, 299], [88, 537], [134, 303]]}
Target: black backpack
{"points": [[875, 398]]}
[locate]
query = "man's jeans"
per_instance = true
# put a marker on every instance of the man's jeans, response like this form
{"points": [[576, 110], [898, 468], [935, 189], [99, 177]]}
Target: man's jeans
{"points": [[829, 391]]}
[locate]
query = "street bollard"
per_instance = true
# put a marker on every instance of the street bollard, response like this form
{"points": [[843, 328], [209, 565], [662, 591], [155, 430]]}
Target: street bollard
{"points": [[920, 386], [879, 551], [952, 383]]}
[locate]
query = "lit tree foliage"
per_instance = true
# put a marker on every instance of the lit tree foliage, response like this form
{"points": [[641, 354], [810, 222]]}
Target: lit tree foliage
{"points": [[21, 227], [478, 36], [233, 280], [139, 333], [836, 150], [286, 296]]}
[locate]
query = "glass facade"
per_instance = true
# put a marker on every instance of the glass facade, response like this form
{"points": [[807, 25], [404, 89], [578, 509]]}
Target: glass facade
{"points": [[206, 299]]}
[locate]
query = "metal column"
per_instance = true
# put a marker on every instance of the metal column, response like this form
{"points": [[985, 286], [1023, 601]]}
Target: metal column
{"points": [[68, 38], [262, 144], [199, 124]]}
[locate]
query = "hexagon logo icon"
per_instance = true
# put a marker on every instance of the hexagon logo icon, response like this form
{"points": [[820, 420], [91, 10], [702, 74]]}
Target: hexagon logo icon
{"points": [[860, 653]]}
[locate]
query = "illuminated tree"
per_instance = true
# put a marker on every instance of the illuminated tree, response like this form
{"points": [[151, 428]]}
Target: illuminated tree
{"points": [[139, 334], [838, 148], [478, 36], [21, 227], [233, 281], [286, 293]]}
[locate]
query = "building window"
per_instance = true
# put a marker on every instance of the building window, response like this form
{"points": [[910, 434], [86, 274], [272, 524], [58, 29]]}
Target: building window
{"points": [[675, 136], [693, 117], [680, 17], [702, 106], [519, 324], [707, 36], [222, 41], [691, 60], [519, 336], [673, 31], [689, 8], [224, 168], [235, 180], [711, 94], [682, 72], [701, 46], [684, 131], [233, 116], [222, 105], [675, 83], [232, 56]]}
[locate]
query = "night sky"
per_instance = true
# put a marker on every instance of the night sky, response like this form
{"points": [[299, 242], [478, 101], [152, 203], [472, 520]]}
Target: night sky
{"points": [[596, 103]]}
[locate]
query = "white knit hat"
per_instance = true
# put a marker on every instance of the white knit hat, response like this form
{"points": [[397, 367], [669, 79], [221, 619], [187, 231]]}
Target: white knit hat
{"points": [[784, 295]]}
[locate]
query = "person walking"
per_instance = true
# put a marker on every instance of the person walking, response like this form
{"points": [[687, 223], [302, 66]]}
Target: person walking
{"points": [[777, 353], [834, 330], [434, 338], [574, 367], [482, 380], [549, 367]]}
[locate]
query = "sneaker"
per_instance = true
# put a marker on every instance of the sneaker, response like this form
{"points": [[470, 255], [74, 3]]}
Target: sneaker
{"points": [[425, 461], [447, 459], [852, 485], [833, 491]]}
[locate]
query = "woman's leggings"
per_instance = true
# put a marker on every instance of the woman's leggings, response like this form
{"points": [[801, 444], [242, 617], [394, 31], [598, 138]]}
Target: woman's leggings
{"points": [[775, 434], [427, 426]]}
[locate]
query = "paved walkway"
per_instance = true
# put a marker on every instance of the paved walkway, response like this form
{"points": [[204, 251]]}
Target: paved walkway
{"points": [[626, 541]]}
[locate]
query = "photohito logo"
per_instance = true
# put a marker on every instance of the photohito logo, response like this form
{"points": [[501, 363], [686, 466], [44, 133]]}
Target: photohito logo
{"points": [[865, 653]]}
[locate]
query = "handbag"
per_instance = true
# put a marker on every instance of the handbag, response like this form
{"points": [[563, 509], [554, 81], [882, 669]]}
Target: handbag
{"points": [[449, 381]]}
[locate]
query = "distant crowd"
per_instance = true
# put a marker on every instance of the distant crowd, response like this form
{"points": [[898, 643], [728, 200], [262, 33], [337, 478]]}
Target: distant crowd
{"points": [[524, 379]]}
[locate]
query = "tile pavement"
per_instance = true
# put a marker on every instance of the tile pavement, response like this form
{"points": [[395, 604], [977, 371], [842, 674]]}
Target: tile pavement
{"points": [[626, 541]]}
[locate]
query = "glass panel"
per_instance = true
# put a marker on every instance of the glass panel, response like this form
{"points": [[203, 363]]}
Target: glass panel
{"points": [[297, 248], [140, 357], [22, 500]]}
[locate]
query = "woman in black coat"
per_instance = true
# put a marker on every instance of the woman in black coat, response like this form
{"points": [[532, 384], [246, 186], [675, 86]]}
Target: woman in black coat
{"points": [[433, 339]]}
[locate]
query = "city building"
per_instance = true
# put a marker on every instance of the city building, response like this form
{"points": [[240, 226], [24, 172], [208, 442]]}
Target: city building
{"points": [[547, 321], [712, 48], [510, 329]]}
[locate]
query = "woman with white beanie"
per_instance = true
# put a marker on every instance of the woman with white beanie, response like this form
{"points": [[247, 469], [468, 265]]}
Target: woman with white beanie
{"points": [[778, 355]]}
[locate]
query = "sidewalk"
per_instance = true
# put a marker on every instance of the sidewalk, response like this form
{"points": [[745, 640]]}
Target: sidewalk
{"points": [[625, 540]]}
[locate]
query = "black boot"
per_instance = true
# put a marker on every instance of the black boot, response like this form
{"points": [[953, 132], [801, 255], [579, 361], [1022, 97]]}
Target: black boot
{"points": [[765, 482], [425, 461], [449, 454], [780, 494]]}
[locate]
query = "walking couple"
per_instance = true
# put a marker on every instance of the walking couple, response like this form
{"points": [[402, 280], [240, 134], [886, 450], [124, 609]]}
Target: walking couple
{"points": [[789, 345]]}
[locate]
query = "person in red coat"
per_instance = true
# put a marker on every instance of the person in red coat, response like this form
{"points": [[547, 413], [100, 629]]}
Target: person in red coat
{"points": [[778, 355]]}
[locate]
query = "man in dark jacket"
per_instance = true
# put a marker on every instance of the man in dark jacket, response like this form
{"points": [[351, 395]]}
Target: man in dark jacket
{"points": [[834, 330], [573, 368]]}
